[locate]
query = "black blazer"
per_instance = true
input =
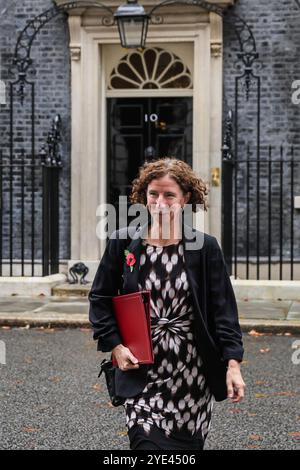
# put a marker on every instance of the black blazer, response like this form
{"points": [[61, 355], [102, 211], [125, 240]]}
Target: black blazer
{"points": [[217, 331]]}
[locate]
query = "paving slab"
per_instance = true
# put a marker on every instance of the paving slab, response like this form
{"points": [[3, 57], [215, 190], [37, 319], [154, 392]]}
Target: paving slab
{"points": [[21, 304], [47, 319], [294, 312], [72, 311], [70, 308], [69, 298], [262, 309]]}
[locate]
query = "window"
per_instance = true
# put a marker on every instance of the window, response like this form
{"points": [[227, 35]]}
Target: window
{"points": [[153, 68]]}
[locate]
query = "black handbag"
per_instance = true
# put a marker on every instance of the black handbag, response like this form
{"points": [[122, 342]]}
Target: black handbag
{"points": [[109, 370]]}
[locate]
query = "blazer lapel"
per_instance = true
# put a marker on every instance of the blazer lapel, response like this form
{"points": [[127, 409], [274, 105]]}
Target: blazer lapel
{"points": [[194, 264], [192, 257], [130, 278]]}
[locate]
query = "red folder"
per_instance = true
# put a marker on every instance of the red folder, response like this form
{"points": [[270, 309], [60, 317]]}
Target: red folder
{"points": [[132, 312]]}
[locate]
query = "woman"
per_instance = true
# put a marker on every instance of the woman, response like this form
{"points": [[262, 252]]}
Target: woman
{"points": [[196, 336]]}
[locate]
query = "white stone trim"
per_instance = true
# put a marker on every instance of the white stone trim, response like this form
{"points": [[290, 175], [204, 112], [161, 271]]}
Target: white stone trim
{"points": [[89, 123], [148, 93], [216, 106], [76, 125]]}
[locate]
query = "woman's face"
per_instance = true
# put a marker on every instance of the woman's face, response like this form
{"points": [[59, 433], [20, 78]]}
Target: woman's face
{"points": [[164, 195]]}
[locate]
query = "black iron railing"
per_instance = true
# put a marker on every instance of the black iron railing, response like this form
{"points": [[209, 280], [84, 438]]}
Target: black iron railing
{"points": [[261, 234], [29, 209]]}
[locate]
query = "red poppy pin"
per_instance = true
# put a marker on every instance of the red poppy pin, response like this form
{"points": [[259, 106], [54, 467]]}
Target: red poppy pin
{"points": [[130, 259]]}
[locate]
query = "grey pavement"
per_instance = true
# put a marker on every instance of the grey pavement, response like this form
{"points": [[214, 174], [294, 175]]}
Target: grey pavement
{"points": [[72, 310], [51, 397]]}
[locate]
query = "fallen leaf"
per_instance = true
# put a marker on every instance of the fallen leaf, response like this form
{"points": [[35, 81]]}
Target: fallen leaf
{"points": [[103, 405], [18, 382], [29, 429], [260, 395], [28, 359], [255, 333], [252, 414], [284, 394], [264, 350], [98, 387], [255, 437], [122, 433], [261, 382], [235, 410], [54, 379]]}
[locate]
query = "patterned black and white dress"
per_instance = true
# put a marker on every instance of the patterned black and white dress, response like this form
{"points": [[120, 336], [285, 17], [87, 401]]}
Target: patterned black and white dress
{"points": [[176, 402]]}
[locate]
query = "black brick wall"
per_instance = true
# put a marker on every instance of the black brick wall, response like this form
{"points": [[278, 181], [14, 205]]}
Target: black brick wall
{"points": [[51, 62], [275, 26]]}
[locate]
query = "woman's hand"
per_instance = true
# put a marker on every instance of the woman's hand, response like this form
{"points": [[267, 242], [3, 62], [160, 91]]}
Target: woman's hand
{"points": [[125, 359], [234, 380]]}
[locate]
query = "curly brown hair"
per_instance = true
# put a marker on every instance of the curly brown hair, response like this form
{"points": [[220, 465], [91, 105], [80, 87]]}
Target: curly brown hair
{"points": [[180, 171]]}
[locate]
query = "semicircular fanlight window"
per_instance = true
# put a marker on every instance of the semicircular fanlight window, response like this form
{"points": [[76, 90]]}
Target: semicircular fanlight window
{"points": [[153, 68]]}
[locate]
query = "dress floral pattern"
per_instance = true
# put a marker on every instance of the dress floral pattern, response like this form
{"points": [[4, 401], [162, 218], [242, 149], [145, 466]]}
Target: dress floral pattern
{"points": [[176, 398]]}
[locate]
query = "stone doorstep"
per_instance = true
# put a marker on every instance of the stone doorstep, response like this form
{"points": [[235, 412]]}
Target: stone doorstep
{"points": [[266, 290], [30, 286], [263, 309], [66, 289]]}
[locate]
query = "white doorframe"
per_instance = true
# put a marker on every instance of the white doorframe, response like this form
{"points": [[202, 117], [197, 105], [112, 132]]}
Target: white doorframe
{"points": [[89, 123]]}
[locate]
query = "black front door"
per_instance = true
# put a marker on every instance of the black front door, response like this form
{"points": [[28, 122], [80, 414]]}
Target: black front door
{"points": [[144, 128]]}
